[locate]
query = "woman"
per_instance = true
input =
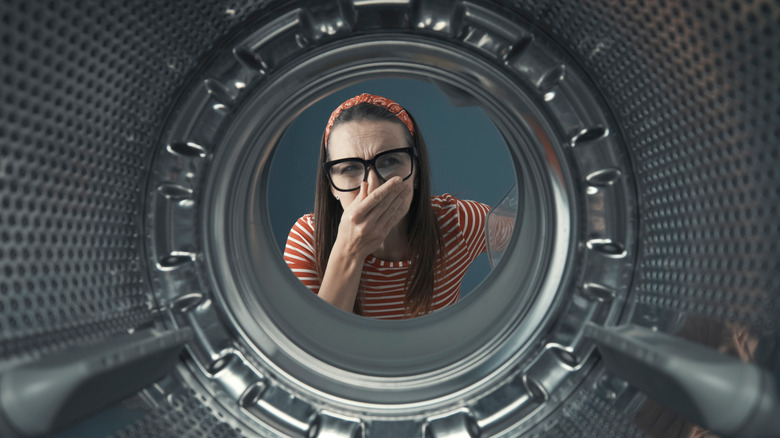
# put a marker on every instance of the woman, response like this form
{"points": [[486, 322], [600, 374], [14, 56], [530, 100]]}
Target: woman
{"points": [[378, 244]]}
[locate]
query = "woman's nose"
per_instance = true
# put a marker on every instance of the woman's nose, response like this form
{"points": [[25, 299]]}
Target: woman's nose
{"points": [[373, 178]]}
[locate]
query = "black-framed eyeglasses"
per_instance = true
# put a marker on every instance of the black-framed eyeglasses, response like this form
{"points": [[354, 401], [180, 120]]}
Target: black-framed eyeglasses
{"points": [[347, 174]]}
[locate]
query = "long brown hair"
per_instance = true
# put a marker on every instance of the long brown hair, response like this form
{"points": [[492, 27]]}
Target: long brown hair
{"points": [[423, 227]]}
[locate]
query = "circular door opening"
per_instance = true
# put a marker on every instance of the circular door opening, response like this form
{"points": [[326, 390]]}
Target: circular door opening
{"points": [[524, 321], [468, 156]]}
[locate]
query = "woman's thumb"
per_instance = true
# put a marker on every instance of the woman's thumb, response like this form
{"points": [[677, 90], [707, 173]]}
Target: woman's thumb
{"points": [[363, 193]]}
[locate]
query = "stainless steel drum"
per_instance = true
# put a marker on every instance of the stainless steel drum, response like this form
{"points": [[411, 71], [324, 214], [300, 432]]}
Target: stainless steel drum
{"points": [[137, 265]]}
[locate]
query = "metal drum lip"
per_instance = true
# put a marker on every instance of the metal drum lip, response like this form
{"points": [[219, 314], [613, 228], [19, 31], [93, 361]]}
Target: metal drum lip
{"points": [[508, 385], [393, 382]]}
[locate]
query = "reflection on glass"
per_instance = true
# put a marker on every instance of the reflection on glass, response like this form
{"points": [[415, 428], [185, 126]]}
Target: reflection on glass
{"points": [[378, 243], [500, 225]]}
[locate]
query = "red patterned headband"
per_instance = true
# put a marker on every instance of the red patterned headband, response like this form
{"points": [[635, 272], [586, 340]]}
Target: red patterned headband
{"points": [[375, 100]]}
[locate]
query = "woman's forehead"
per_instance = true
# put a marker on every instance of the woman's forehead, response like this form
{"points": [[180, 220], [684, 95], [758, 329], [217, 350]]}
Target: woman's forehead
{"points": [[365, 138]]}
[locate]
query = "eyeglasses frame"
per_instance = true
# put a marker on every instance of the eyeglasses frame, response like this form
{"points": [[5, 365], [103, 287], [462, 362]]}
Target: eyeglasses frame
{"points": [[369, 163]]}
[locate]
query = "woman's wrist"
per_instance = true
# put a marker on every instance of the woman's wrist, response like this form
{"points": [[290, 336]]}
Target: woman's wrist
{"points": [[342, 277], [349, 256]]}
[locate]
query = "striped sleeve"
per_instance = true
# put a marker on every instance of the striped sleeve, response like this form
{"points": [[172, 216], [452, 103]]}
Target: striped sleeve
{"points": [[500, 228], [472, 217], [299, 253]]}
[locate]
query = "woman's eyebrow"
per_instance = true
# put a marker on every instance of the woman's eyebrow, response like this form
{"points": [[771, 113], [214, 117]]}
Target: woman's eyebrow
{"points": [[382, 149]]}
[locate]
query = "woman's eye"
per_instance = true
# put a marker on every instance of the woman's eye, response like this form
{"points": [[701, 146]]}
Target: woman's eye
{"points": [[389, 161], [350, 168]]}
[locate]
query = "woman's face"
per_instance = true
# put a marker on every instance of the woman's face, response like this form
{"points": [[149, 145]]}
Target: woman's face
{"points": [[365, 139]]}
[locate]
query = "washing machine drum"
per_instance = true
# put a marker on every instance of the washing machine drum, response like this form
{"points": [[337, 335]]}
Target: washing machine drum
{"points": [[142, 287]]}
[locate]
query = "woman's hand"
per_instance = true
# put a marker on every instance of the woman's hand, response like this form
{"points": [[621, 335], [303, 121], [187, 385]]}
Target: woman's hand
{"points": [[368, 219], [365, 224]]}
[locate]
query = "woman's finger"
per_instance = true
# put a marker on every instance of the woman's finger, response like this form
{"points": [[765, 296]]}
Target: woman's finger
{"points": [[380, 199], [384, 216], [354, 207], [394, 211], [376, 198]]}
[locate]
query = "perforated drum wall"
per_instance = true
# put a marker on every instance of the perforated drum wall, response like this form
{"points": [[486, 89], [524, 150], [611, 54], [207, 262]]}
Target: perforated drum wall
{"points": [[695, 87], [87, 87]]}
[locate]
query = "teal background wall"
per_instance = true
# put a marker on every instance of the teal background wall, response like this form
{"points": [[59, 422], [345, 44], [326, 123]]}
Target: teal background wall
{"points": [[469, 158]]}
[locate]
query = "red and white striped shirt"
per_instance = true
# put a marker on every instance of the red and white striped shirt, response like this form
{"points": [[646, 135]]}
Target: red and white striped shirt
{"points": [[383, 282]]}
